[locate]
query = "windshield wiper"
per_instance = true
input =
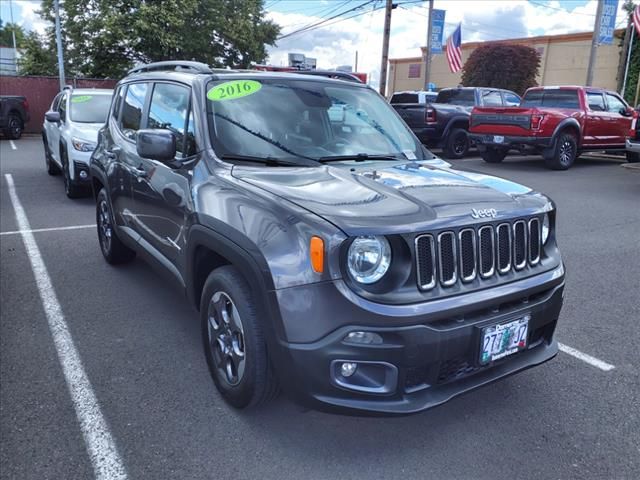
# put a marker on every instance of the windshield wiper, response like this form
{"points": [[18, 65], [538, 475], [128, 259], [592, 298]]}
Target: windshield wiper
{"points": [[268, 160], [359, 157]]}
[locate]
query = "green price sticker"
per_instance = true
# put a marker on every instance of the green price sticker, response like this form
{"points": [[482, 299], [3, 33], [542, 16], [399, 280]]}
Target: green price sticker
{"points": [[81, 98], [234, 89]]}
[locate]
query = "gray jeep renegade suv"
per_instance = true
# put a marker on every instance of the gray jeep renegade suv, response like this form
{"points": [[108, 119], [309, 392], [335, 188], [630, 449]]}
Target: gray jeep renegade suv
{"points": [[328, 252]]}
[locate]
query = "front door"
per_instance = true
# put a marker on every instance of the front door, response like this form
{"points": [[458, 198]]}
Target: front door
{"points": [[161, 192], [619, 120], [597, 120]]}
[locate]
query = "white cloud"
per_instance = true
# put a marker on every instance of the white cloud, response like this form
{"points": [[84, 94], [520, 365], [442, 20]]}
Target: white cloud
{"points": [[336, 44], [24, 14]]}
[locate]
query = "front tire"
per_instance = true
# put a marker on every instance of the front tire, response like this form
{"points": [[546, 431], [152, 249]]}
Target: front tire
{"points": [[14, 127], [71, 189], [234, 342], [563, 154], [633, 157], [493, 155], [457, 144], [113, 250], [52, 168]]}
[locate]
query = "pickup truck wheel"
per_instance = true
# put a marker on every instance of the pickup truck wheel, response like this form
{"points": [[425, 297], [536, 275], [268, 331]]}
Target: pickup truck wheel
{"points": [[493, 155], [564, 153], [52, 168], [14, 127], [233, 340], [633, 157], [457, 144], [113, 250]]}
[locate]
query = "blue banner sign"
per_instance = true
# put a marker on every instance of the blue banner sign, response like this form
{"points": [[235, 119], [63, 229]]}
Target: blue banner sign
{"points": [[608, 22], [437, 30]]}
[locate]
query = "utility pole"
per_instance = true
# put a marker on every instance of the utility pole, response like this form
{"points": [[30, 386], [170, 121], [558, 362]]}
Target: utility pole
{"points": [[628, 59], [385, 47], [59, 44], [594, 43], [623, 55], [356, 64], [13, 36], [427, 56]]}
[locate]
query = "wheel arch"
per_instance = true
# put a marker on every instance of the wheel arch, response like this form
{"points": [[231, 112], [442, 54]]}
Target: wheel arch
{"points": [[568, 125], [459, 121]]}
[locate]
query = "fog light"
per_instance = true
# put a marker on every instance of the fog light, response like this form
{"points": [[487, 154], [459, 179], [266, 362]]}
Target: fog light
{"points": [[363, 338], [348, 368], [83, 174]]}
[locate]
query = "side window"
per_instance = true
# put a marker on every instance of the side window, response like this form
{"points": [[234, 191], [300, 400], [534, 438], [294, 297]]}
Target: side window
{"points": [[169, 110], [117, 102], [511, 100], [615, 104], [56, 101], [131, 117], [190, 147], [62, 107], [596, 102], [491, 98]]}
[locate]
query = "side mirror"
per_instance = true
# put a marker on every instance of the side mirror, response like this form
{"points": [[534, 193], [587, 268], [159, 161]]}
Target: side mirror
{"points": [[156, 144], [626, 112], [52, 116]]}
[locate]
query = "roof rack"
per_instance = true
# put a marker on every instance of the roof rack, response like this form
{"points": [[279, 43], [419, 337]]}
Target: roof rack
{"points": [[195, 67], [330, 74]]}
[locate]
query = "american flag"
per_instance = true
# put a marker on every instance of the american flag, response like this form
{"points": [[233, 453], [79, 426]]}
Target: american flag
{"points": [[454, 52], [636, 19]]}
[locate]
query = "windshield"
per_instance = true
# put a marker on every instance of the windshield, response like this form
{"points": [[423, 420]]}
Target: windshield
{"points": [[462, 97], [90, 108], [314, 120]]}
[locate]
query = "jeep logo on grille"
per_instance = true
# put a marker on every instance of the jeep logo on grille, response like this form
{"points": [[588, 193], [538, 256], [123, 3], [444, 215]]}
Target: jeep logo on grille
{"points": [[484, 213]]}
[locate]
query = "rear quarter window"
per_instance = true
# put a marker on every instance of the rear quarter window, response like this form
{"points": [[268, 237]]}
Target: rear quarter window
{"points": [[462, 97]]}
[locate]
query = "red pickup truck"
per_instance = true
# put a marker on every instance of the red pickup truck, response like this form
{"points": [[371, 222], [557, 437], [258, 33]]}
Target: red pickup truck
{"points": [[557, 122]]}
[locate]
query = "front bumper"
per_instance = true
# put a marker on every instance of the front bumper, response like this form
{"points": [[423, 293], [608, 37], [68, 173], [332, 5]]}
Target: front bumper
{"points": [[633, 145], [421, 363], [483, 140], [80, 162]]}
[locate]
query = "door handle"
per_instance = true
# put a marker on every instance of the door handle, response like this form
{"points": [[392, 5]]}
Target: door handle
{"points": [[140, 172]]}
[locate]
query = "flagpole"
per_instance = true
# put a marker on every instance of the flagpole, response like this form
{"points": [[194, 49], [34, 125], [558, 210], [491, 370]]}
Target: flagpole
{"points": [[626, 68]]}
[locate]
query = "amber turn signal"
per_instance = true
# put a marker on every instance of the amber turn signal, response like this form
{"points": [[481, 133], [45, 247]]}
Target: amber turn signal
{"points": [[316, 252]]}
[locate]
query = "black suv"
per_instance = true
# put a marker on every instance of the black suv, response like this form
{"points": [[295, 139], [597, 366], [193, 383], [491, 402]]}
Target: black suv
{"points": [[328, 252]]}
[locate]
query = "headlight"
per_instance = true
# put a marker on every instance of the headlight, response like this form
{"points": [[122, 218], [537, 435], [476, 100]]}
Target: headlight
{"points": [[82, 145], [545, 228], [369, 258]]}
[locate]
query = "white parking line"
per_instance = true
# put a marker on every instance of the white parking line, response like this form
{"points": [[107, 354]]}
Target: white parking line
{"points": [[593, 361], [52, 229], [13, 145], [100, 445]]}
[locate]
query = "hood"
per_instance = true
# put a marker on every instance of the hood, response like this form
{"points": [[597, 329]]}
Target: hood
{"points": [[376, 196], [86, 131]]}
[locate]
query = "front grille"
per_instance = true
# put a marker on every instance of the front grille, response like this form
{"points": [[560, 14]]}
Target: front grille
{"points": [[449, 257]]}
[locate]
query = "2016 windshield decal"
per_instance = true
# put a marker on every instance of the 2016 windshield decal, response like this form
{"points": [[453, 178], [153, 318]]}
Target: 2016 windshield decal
{"points": [[81, 98], [233, 89]]}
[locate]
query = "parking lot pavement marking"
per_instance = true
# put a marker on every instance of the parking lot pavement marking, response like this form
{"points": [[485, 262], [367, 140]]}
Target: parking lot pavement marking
{"points": [[100, 445], [52, 229], [13, 145], [595, 362]]}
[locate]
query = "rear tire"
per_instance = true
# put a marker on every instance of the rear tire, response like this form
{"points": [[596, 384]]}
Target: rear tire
{"points": [[633, 157], [52, 168], [14, 127], [564, 153], [456, 145], [493, 155], [113, 250], [234, 341]]}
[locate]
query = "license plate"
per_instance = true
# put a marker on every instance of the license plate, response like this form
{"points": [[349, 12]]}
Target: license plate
{"points": [[498, 139], [504, 339]]}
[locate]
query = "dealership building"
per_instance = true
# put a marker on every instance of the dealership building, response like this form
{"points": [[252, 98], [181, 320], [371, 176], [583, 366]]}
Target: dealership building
{"points": [[563, 61]]}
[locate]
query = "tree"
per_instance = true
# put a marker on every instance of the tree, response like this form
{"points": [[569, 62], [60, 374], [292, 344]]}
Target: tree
{"points": [[36, 58], [514, 67], [6, 37], [104, 38]]}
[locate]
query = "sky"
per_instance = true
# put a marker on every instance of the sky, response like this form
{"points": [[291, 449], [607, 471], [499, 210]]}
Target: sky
{"points": [[337, 42]]}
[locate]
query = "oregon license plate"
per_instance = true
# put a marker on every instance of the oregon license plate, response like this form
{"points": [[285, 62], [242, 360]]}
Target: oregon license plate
{"points": [[503, 339], [498, 139]]}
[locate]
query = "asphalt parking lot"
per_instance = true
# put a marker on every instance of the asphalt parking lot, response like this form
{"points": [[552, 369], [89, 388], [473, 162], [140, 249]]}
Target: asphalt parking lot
{"points": [[139, 343]]}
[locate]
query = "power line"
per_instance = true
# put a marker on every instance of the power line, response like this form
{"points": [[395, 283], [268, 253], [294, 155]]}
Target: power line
{"points": [[561, 9]]}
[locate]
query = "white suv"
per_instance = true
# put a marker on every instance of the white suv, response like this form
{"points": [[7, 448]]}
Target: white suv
{"points": [[70, 133]]}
